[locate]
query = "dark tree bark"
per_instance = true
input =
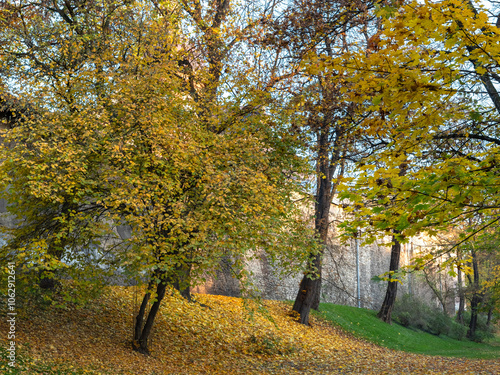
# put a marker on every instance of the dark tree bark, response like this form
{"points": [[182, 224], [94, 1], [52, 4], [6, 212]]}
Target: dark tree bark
{"points": [[179, 279], [461, 296], [476, 298], [139, 320], [385, 312], [141, 340], [490, 316], [309, 292], [474, 306]]}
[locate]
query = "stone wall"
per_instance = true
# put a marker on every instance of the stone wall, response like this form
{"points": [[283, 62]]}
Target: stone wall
{"points": [[339, 282], [339, 276]]}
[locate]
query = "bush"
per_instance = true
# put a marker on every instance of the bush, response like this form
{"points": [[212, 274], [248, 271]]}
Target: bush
{"points": [[405, 318], [412, 312], [440, 323], [458, 331]]}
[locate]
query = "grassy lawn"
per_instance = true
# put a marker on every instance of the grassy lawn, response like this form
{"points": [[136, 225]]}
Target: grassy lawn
{"points": [[364, 324]]}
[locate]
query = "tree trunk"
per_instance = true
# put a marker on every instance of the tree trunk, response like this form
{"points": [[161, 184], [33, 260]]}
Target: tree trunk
{"points": [[476, 298], [139, 320], [474, 305], [490, 316], [437, 291], [385, 312], [142, 334], [461, 296], [310, 287], [181, 281], [309, 292]]}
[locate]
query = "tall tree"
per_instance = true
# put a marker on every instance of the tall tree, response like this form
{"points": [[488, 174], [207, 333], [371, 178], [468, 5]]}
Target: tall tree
{"points": [[139, 124], [310, 32], [430, 85]]}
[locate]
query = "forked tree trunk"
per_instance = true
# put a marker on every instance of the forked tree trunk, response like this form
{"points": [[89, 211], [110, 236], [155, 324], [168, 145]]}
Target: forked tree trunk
{"points": [[142, 331], [181, 281], [385, 312], [142, 334]]}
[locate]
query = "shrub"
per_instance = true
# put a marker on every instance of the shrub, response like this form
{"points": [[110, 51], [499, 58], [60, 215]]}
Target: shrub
{"points": [[440, 323], [412, 312], [404, 318], [458, 331]]}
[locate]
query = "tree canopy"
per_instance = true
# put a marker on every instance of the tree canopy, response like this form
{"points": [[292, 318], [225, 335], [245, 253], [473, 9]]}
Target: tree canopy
{"points": [[165, 117], [135, 126]]}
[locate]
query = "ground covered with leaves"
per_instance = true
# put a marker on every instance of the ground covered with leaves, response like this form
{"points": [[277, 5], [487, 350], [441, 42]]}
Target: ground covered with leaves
{"points": [[214, 335]]}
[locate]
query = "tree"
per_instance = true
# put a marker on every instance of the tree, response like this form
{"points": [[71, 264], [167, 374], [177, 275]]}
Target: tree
{"points": [[309, 32], [136, 127], [429, 87], [483, 262]]}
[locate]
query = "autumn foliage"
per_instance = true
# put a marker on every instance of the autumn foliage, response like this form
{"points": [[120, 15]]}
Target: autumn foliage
{"points": [[193, 124]]}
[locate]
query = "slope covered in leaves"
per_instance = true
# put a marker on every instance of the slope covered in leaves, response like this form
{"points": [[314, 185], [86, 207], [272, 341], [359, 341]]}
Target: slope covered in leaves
{"points": [[215, 335]]}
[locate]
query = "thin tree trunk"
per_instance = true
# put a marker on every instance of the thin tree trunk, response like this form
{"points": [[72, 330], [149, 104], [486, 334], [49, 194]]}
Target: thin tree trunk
{"points": [[474, 305], [385, 312], [142, 331], [490, 316], [476, 298], [437, 292], [309, 291], [139, 320], [141, 343], [461, 297]]}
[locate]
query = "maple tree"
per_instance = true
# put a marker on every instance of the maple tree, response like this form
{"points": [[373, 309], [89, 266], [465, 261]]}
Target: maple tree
{"points": [[135, 126]]}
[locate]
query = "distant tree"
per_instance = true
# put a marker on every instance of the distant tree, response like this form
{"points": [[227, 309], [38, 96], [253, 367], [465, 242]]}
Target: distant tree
{"points": [[482, 264]]}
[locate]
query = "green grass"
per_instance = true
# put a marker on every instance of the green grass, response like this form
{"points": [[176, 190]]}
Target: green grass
{"points": [[364, 324]]}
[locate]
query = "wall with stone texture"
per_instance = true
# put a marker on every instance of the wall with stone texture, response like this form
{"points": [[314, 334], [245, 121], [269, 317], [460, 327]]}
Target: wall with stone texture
{"points": [[339, 272], [339, 280]]}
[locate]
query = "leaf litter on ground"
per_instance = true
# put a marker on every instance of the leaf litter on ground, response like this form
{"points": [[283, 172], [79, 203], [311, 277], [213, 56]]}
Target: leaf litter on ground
{"points": [[213, 335]]}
